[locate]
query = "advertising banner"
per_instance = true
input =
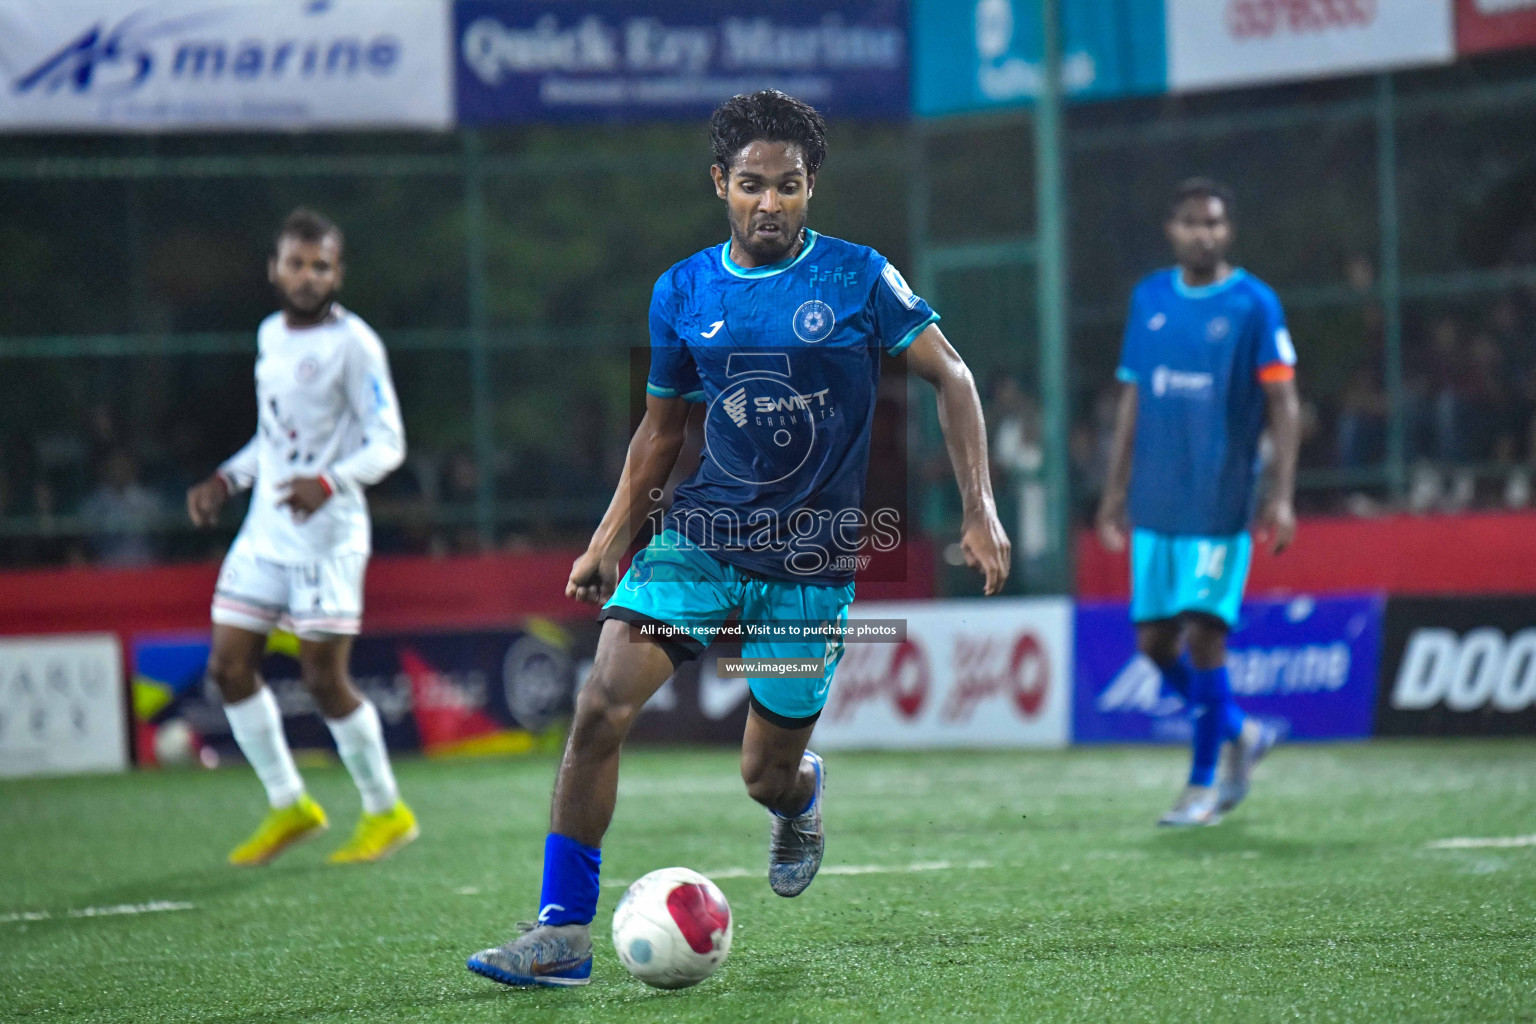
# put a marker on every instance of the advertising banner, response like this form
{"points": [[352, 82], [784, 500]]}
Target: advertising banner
{"points": [[558, 60], [1219, 43], [696, 705], [164, 65], [972, 673], [62, 705], [1459, 667], [472, 692], [981, 54], [1483, 25], [1309, 665]]}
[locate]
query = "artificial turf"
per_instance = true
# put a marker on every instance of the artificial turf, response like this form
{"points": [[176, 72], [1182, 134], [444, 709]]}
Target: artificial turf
{"points": [[1000, 886]]}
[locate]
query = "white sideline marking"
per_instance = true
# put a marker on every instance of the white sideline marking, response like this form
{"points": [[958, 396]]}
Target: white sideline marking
{"points": [[834, 869], [1496, 842], [117, 910]]}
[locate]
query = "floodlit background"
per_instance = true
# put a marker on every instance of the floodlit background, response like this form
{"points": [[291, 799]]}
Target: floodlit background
{"points": [[512, 176]]}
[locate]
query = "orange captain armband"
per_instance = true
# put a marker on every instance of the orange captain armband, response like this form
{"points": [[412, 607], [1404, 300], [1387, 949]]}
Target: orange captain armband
{"points": [[1273, 372]]}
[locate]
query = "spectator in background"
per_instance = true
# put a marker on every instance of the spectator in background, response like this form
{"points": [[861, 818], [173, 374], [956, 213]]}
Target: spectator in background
{"points": [[1443, 390], [458, 489], [1019, 453], [1363, 410], [120, 513], [1088, 446], [1517, 488], [1487, 412], [1087, 476], [1511, 328]]}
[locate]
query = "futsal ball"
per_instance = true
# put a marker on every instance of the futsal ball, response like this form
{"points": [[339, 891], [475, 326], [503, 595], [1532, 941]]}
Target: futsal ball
{"points": [[175, 743], [672, 928]]}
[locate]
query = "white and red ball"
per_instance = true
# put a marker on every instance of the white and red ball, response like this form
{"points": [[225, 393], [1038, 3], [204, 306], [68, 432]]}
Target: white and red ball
{"points": [[672, 928]]}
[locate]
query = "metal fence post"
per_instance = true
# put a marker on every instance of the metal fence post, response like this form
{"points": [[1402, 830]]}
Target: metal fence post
{"points": [[1050, 231], [481, 413], [1391, 284]]}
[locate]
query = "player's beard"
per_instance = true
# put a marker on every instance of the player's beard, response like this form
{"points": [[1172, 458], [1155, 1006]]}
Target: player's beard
{"points": [[765, 251], [305, 308]]}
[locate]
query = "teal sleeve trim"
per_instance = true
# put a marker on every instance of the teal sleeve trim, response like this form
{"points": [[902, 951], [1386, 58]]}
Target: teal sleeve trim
{"points": [[1125, 374], [911, 336], [696, 395]]}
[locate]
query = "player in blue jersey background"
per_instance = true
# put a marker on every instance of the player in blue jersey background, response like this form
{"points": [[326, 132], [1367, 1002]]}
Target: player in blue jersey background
{"points": [[1207, 363], [779, 334]]}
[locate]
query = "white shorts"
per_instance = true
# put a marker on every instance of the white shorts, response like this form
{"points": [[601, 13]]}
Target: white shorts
{"points": [[313, 600]]}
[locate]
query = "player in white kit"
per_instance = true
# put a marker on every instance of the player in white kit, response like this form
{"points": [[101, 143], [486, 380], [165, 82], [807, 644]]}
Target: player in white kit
{"points": [[328, 425]]}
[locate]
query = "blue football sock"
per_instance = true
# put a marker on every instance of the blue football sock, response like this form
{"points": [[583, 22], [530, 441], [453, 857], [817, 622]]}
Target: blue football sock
{"points": [[1175, 676], [1217, 718], [570, 881]]}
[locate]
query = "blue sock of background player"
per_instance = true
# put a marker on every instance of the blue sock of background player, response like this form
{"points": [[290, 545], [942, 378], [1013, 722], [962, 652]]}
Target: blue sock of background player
{"points": [[1208, 696], [1176, 675], [1217, 719]]}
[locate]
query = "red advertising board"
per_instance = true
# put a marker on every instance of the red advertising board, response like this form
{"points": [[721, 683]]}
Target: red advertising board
{"points": [[1483, 25]]}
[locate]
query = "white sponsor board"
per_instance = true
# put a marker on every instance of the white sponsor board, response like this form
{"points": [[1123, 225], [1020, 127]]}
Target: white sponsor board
{"points": [[974, 673], [156, 65], [62, 705], [1215, 43]]}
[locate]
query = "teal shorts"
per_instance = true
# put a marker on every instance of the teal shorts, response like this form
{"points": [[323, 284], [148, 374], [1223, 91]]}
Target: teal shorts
{"points": [[678, 584], [1176, 575]]}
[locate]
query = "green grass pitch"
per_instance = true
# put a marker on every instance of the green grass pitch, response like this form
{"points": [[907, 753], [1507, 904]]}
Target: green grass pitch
{"points": [[967, 886]]}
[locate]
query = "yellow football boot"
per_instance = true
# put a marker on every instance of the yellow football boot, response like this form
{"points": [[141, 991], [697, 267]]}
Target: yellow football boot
{"points": [[280, 829], [378, 835]]}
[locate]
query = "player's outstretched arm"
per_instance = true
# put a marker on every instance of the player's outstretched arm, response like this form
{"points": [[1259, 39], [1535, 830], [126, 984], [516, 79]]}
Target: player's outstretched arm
{"points": [[1278, 520], [1112, 521], [982, 539], [652, 453]]}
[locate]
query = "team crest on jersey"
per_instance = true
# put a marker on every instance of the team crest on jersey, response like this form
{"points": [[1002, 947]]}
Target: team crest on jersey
{"points": [[1218, 329], [307, 370], [1157, 321], [814, 321]]}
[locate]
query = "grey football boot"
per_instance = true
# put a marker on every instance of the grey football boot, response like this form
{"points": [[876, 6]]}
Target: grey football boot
{"points": [[794, 851], [544, 954], [1195, 806], [1238, 759]]}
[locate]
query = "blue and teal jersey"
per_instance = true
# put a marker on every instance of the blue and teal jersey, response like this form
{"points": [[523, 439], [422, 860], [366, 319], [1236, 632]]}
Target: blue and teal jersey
{"points": [[786, 361], [1198, 358]]}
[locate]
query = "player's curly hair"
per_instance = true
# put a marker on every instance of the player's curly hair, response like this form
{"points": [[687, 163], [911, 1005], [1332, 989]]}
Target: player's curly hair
{"points": [[1203, 188], [767, 116], [307, 226]]}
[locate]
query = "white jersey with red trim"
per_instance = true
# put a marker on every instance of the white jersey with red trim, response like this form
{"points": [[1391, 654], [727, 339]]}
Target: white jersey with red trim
{"points": [[326, 408]]}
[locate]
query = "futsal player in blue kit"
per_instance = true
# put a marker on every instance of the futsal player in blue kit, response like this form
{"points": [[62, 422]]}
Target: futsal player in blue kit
{"points": [[1207, 362], [778, 333]]}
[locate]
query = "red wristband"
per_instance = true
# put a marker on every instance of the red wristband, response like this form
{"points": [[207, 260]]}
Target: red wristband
{"points": [[325, 482]]}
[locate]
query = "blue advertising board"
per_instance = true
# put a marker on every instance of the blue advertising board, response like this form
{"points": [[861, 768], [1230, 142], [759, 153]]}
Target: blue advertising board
{"points": [[559, 60], [1309, 665], [983, 54]]}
